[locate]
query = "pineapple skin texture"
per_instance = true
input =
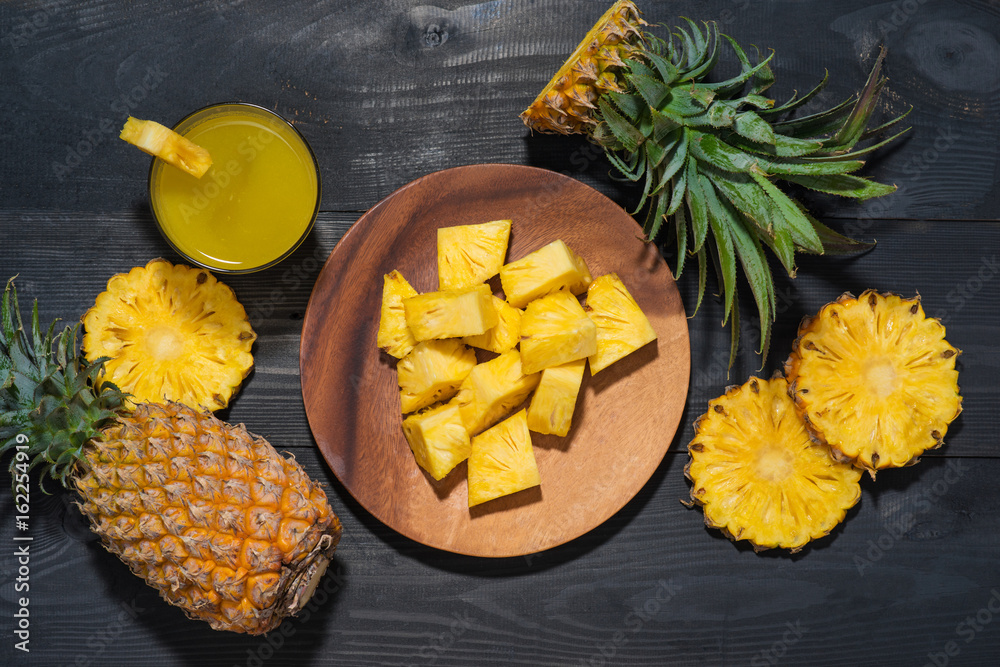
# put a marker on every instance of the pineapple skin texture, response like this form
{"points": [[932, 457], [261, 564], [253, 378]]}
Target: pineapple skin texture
{"points": [[505, 335], [471, 254], [432, 372], [554, 401], [555, 330], [208, 514], [502, 461], [622, 327], [759, 476], [492, 389], [173, 333], [438, 439], [896, 365], [394, 335], [546, 270], [450, 314]]}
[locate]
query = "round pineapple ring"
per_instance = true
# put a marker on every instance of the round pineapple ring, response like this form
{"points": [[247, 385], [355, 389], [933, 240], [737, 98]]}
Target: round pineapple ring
{"points": [[875, 379], [759, 476], [170, 333]]}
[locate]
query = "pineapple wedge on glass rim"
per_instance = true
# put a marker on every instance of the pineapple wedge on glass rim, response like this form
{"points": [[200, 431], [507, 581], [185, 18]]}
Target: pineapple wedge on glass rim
{"points": [[394, 336], [471, 254], [758, 475], [875, 379], [162, 142]]}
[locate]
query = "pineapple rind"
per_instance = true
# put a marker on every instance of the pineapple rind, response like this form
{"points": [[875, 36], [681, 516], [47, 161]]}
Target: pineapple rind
{"points": [[502, 461], [172, 333], [438, 439], [432, 372], [394, 335], [471, 254], [875, 379], [492, 390], [554, 401], [554, 331], [759, 476], [505, 335], [450, 313], [546, 270], [622, 327]]}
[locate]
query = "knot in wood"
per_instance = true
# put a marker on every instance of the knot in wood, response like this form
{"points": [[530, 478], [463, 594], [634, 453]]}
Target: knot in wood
{"points": [[435, 35]]}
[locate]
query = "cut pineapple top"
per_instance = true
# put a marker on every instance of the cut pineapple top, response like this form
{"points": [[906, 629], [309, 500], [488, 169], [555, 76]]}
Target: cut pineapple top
{"points": [[394, 335], [451, 313], [432, 372], [471, 254], [172, 333], [555, 330], [544, 271], [162, 142], [758, 474], [875, 379], [502, 461], [622, 327]]}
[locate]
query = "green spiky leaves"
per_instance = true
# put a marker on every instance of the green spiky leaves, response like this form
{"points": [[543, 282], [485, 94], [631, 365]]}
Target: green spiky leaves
{"points": [[47, 399], [708, 156]]}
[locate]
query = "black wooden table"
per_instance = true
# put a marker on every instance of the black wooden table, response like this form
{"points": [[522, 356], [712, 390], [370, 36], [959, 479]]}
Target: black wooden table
{"points": [[389, 91]]}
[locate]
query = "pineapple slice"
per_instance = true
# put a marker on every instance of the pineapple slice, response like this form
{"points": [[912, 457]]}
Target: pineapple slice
{"points": [[552, 406], [393, 335], [544, 271], [451, 313], [502, 461], [622, 327], [471, 254], [162, 142], [438, 438], [758, 474], [505, 335], [875, 379], [492, 389], [432, 372], [555, 330]]}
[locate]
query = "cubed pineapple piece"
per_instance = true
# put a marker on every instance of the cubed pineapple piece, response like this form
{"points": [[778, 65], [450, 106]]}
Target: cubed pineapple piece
{"points": [[471, 254], [162, 142], [451, 313], [622, 327], [438, 438], [552, 405], [505, 335], [555, 330], [502, 461], [492, 390], [433, 371], [393, 334], [544, 271]]}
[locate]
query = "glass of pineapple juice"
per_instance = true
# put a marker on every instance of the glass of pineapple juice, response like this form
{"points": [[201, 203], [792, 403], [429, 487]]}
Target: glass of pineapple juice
{"points": [[255, 204]]}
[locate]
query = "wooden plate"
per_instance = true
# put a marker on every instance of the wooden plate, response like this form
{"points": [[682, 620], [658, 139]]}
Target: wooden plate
{"points": [[626, 416]]}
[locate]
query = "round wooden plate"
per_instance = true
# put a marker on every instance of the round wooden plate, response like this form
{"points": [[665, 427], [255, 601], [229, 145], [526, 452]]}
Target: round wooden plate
{"points": [[626, 416]]}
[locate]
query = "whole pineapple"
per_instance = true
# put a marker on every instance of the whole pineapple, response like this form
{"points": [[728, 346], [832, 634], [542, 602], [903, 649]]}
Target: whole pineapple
{"points": [[211, 516]]}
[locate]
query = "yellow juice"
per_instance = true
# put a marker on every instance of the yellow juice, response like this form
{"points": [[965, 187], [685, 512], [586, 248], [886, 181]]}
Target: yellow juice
{"points": [[254, 205]]}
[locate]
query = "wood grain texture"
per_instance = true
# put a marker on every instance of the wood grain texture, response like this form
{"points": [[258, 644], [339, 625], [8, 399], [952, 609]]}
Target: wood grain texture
{"points": [[625, 418], [387, 92]]}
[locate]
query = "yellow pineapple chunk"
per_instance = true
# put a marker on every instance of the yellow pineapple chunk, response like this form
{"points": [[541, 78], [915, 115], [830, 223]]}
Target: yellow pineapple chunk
{"points": [[622, 327], [552, 406], [450, 313], [393, 334], [502, 461], [492, 389], [544, 271], [162, 142], [555, 330], [471, 254], [438, 438], [505, 335], [432, 372]]}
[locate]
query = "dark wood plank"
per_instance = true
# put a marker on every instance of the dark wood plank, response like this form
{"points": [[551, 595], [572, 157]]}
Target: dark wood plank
{"points": [[388, 92]]}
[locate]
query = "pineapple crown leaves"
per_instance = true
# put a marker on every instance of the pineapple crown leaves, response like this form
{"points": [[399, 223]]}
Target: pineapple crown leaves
{"points": [[708, 154], [47, 393]]}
